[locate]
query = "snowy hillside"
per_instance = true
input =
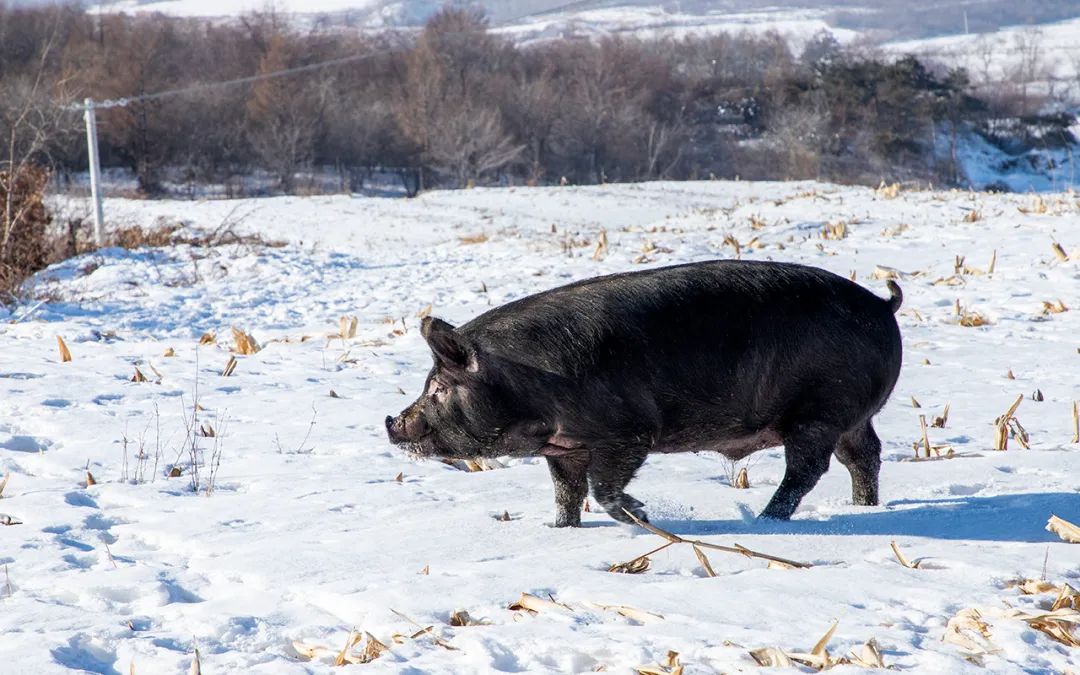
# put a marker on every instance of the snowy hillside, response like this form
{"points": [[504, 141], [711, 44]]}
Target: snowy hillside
{"points": [[317, 526]]}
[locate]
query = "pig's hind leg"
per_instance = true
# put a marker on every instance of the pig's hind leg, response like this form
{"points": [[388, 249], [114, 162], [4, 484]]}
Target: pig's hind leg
{"points": [[859, 449], [807, 452], [610, 471], [570, 477]]}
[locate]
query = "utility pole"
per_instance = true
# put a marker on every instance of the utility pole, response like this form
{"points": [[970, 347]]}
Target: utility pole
{"points": [[95, 169]]}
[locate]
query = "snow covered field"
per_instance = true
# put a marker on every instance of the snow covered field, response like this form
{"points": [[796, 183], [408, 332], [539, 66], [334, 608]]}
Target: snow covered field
{"points": [[317, 526]]}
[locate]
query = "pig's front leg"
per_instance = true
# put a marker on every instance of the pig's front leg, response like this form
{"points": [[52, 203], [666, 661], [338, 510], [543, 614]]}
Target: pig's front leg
{"points": [[610, 471], [569, 473]]}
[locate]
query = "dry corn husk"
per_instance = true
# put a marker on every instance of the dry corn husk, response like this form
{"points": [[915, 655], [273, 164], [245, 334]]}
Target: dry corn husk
{"points": [[1064, 529], [170, 352], [639, 615], [1059, 252], [460, 619], [771, 657], [372, 649], [1054, 307], [670, 666], [635, 566], [534, 605], [1068, 598], [138, 376], [868, 656], [65, 353], [208, 338], [244, 343], [1059, 625], [968, 631], [742, 481], [1033, 586], [817, 658]]}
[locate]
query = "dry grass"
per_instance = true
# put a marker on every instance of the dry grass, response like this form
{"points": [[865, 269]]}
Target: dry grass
{"points": [[474, 238]]}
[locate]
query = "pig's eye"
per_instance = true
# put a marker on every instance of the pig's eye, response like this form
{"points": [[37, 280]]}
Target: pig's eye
{"points": [[436, 389]]}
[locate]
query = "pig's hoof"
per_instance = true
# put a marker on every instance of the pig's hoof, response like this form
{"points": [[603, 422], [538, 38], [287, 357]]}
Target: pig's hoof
{"points": [[775, 514], [616, 510]]}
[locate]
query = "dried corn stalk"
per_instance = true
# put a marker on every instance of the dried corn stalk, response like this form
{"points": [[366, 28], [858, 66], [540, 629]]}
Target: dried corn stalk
{"points": [[1076, 422], [676, 539], [891, 191], [196, 664], [230, 366], [940, 422], [1059, 252], [245, 344], [208, 338], [1002, 427], [170, 352], [903, 559], [601, 246], [973, 216], [65, 353], [742, 481], [837, 230], [138, 376], [3, 484]]}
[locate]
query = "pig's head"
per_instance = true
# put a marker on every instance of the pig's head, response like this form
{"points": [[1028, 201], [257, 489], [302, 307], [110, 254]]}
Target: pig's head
{"points": [[466, 409]]}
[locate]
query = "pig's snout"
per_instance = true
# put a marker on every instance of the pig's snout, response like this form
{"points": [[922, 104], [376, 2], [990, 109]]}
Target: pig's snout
{"points": [[408, 427]]}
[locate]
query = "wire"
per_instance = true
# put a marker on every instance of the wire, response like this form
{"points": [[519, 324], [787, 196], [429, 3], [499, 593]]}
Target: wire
{"points": [[128, 100]]}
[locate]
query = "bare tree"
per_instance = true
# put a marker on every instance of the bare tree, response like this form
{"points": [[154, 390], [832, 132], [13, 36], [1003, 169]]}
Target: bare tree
{"points": [[470, 142], [28, 120]]}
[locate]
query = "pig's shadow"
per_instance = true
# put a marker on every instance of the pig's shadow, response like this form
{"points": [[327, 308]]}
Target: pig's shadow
{"points": [[1019, 518]]}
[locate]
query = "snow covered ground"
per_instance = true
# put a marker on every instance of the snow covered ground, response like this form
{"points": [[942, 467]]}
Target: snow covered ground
{"points": [[318, 526]]}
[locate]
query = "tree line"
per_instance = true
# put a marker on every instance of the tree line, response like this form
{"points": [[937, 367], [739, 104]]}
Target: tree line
{"points": [[455, 104]]}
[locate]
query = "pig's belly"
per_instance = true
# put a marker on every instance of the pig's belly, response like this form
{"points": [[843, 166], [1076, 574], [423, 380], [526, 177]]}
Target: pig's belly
{"points": [[733, 447]]}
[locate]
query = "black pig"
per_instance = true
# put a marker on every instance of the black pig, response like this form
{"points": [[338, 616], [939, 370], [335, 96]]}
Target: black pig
{"points": [[731, 356]]}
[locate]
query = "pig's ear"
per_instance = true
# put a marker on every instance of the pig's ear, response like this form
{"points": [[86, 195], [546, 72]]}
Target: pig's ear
{"points": [[450, 348]]}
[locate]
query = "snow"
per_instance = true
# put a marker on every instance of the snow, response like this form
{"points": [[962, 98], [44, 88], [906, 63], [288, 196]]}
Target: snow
{"points": [[308, 534], [994, 57]]}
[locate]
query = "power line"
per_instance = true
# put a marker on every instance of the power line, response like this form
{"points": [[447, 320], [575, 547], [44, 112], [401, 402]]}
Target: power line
{"points": [[128, 100]]}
